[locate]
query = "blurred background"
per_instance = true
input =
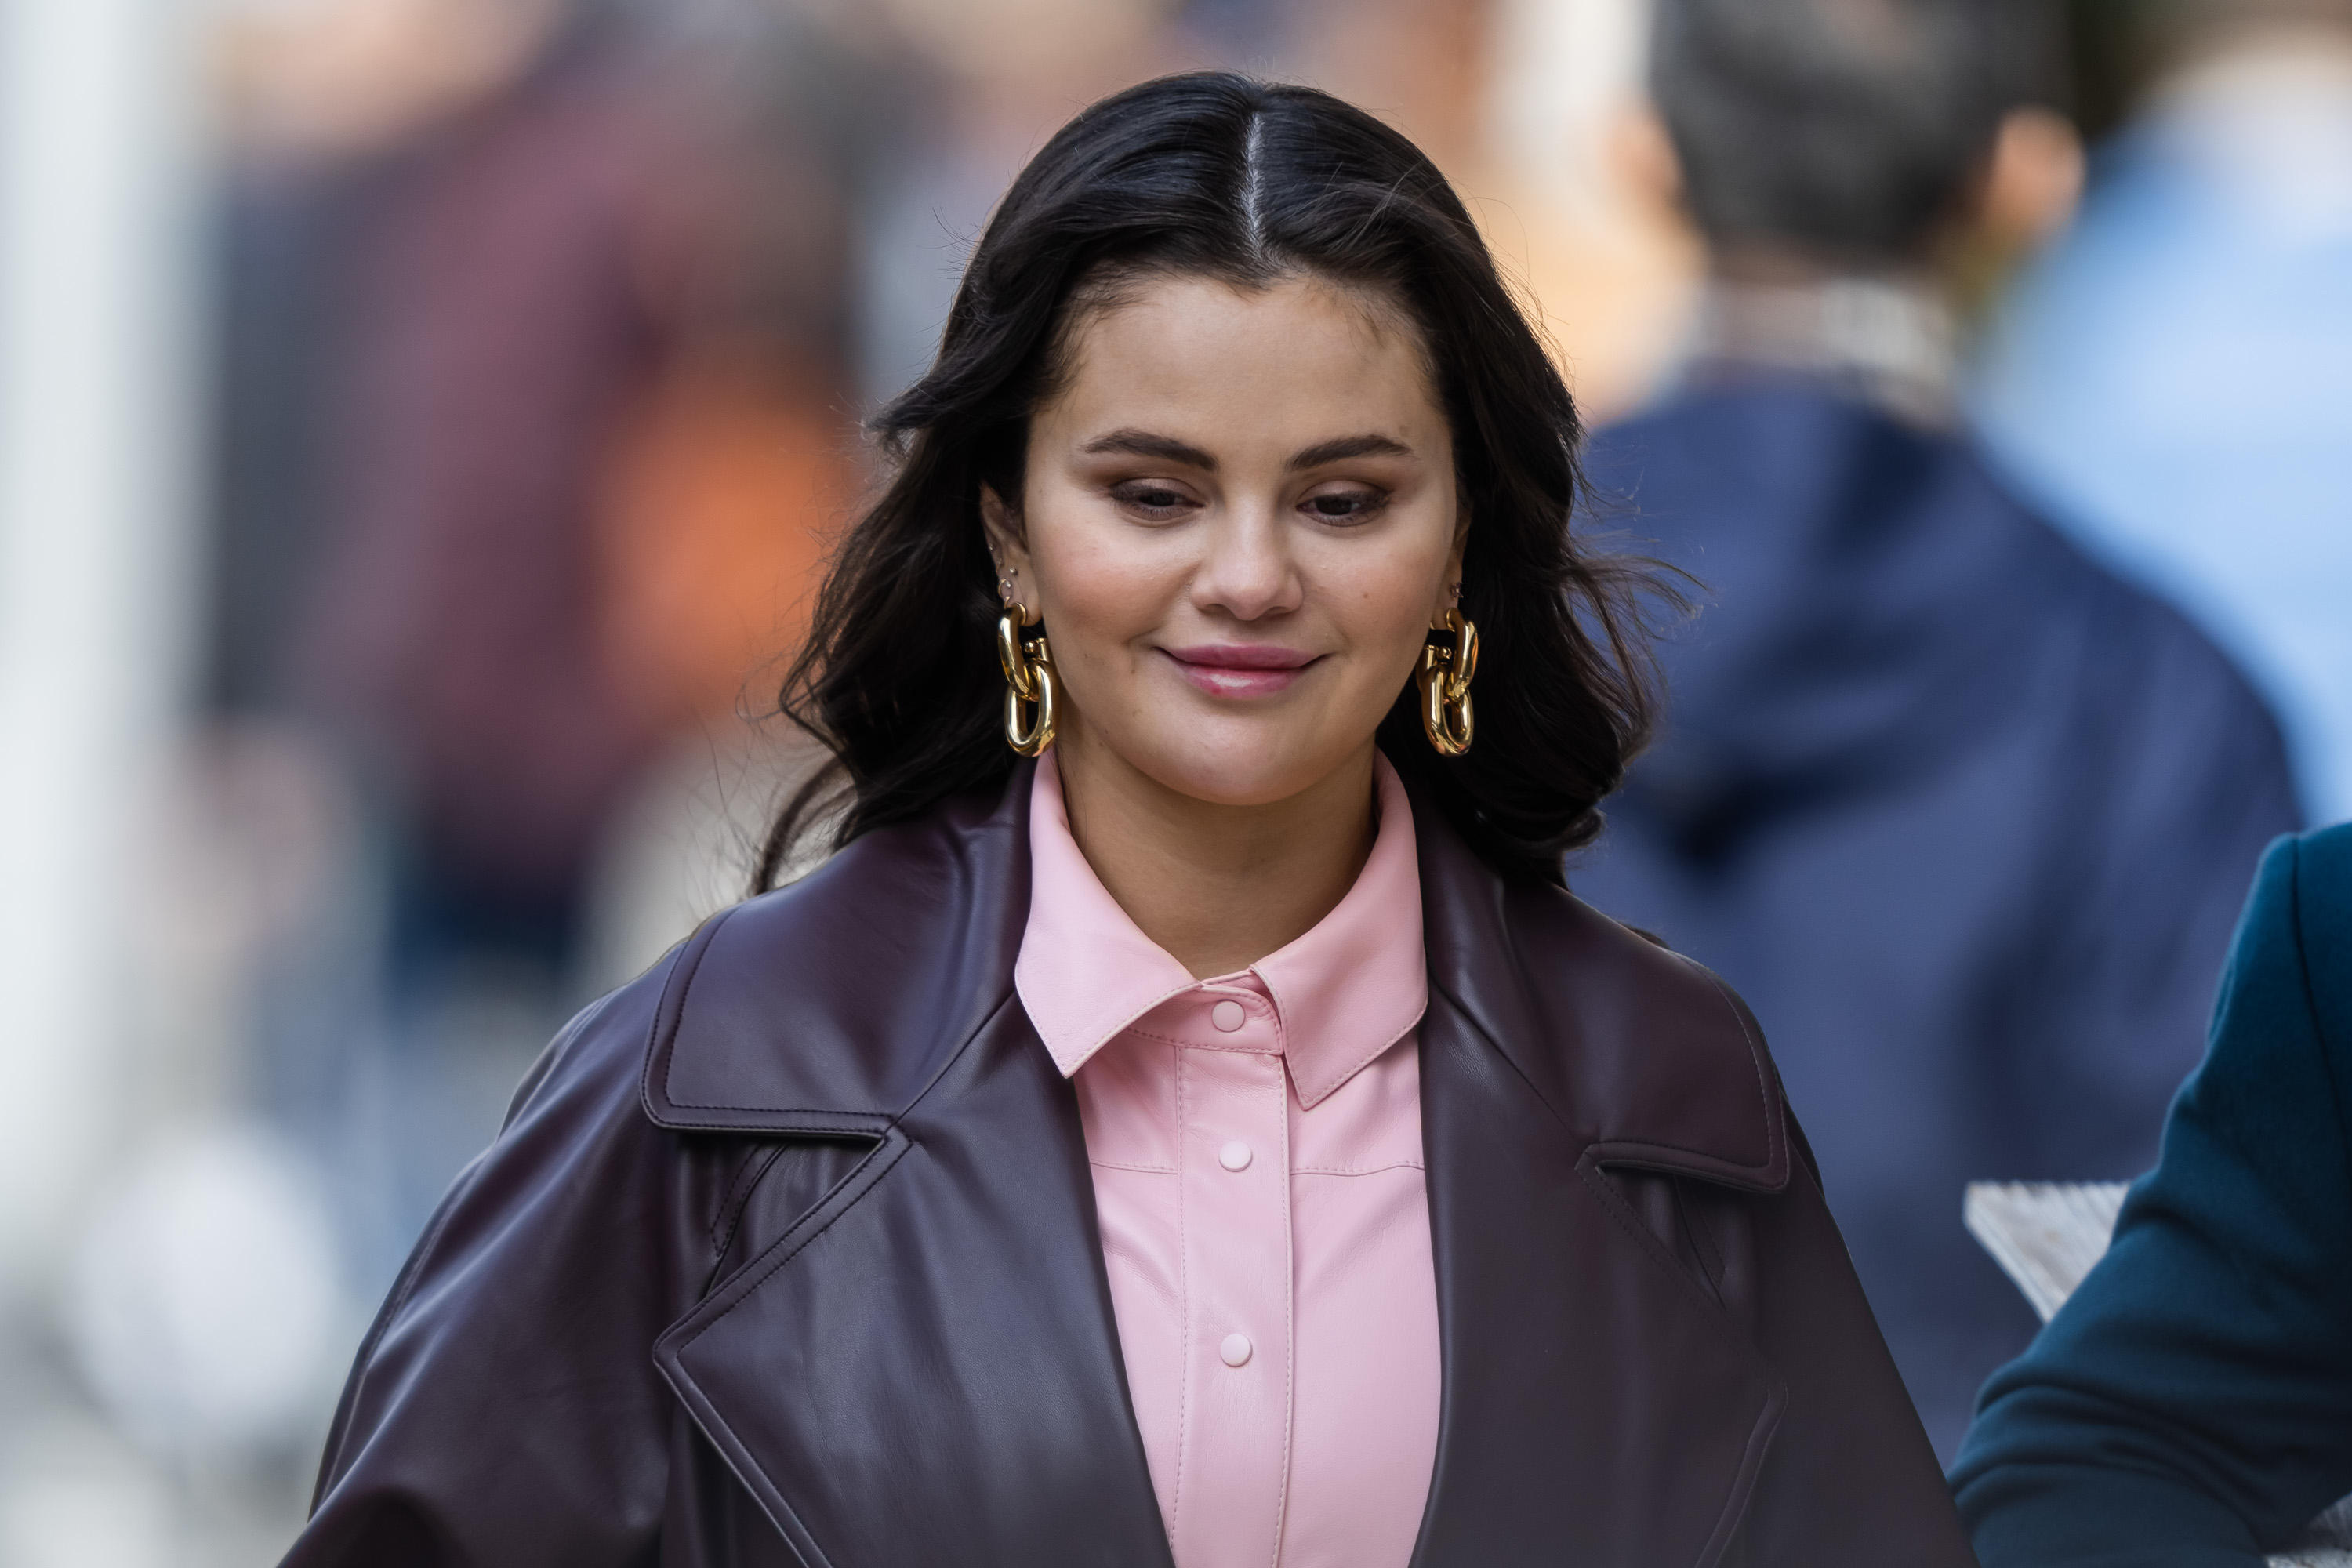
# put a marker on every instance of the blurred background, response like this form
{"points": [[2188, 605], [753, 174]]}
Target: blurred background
{"points": [[422, 423]]}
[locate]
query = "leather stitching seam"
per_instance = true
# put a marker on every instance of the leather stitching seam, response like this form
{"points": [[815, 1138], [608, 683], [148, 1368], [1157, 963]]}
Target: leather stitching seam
{"points": [[756, 1166], [1614, 1204], [790, 1245], [662, 1043], [1755, 1060]]}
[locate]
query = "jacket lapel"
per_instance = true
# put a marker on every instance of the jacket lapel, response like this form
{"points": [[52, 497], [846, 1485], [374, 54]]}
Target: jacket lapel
{"points": [[925, 1367], [1599, 1406]]}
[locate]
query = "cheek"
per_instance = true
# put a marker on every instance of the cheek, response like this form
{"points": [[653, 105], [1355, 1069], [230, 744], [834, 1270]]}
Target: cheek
{"points": [[1384, 604], [1101, 588]]}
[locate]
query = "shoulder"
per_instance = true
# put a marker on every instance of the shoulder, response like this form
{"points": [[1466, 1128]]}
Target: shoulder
{"points": [[1643, 1055], [1658, 1039], [2323, 895], [827, 1006], [1769, 473], [2293, 955], [1689, 448]]}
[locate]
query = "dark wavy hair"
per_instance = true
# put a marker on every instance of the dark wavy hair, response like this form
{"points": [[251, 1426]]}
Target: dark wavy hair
{"points": [[1218, 175]]}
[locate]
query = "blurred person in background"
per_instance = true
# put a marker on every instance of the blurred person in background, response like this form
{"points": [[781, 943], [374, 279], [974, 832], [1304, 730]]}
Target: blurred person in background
{"points": [[535, 379], [999, 76], [2169, 381], [1965, 815]]}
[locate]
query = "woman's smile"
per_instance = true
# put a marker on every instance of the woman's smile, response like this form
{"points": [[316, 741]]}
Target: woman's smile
{"points": [[1240, 669], [1235, 485]]}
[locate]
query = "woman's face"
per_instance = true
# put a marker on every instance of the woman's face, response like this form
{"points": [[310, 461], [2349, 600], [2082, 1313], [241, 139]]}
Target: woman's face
{"points": [[1238, 523]]}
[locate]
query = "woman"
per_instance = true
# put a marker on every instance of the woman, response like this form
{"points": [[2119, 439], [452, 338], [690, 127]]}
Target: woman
{"points": [[1222, 1140]]}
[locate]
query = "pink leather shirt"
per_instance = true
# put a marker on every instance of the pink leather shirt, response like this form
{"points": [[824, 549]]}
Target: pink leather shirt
{"points": [[1255, 1142]]}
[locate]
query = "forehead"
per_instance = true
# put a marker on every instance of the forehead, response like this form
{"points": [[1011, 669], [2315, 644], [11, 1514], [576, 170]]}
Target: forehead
{"points": [[1296, 362]]}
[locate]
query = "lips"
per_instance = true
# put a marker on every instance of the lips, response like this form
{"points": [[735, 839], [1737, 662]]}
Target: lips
{"points": [[1240, 669]]}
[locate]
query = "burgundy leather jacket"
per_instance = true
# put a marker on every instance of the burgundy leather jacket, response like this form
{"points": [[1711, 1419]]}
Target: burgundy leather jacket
{"points": [[787, 1255]]}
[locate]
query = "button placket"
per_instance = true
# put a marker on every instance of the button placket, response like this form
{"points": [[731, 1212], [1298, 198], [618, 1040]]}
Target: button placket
{"points": [[1237, 1265]]}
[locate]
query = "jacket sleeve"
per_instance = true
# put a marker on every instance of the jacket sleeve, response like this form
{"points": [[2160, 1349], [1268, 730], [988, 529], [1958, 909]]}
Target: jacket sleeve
{"points": [[1849, 1476], [504, 1411], [2192, 1404]]}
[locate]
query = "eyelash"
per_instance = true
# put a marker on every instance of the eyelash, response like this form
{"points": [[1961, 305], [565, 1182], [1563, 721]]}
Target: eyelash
{"points": [[1369, 503], [1132, 496]]}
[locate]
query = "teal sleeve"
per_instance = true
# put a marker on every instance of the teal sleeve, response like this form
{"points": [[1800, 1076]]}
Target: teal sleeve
{"points": [[2192, 1404]]}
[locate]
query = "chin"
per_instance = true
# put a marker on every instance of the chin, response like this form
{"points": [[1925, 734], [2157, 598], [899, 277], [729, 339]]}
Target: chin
{"points": [[1259, 771]]}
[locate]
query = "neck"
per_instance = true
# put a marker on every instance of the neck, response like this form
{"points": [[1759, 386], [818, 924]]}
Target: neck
{"points": [[1217, 887], [1890, 336]]}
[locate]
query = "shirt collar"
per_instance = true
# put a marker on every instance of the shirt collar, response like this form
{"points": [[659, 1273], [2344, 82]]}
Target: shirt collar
{"points": [[1893, 341], [1343, 992]]}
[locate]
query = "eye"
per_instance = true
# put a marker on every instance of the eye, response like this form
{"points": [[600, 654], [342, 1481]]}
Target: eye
{"points": [[1153, 499], [1353, 504]]}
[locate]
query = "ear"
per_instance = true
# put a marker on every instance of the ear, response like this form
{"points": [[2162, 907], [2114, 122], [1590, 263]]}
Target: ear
{"points": [[1638, 152], [1006, 542], [1452, 577], [2031, 182]]}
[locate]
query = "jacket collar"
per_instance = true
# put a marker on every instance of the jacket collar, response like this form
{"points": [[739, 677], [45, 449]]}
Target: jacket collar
{"points": [[940, 1325], [1643, 1055]]}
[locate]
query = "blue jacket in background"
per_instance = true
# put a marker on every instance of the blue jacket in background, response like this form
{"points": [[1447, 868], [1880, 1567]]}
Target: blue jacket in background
{"points": [[2169, 378], [2192, 1404], [1964, 816]]}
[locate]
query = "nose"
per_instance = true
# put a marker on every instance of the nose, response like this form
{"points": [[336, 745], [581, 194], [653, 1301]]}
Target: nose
{"points": [[1247, 570]]}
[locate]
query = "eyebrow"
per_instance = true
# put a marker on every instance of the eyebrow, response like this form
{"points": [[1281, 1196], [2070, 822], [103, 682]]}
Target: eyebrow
{"points": [[1346, 446], [1144, 443]]}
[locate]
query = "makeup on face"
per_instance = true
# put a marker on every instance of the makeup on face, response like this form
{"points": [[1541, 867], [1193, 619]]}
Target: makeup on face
{"points": [[1240, 670], [1238, 517]]}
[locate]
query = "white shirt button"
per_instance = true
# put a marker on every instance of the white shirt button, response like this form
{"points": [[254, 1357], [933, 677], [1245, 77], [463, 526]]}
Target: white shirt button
{"points": [[1236, 1350], [1228, 1015], [1234, 1156]]}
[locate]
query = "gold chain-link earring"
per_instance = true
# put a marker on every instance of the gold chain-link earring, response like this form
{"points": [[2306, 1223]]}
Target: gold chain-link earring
{"points": [[1028, 682], [1448, 661]]}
